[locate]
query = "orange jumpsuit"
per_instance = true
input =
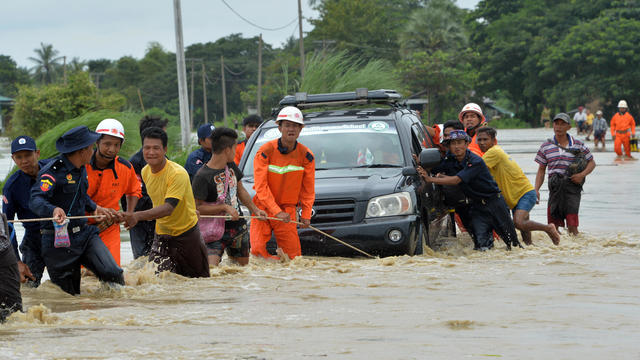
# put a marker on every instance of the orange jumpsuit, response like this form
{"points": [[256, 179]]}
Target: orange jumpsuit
{"points": [[282, 182], [239, 151], [106, 188], [621, 127]]}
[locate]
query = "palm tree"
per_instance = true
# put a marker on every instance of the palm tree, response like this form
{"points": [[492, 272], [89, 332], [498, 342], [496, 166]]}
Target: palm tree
{"points": [[47, 62], [77, 65]]}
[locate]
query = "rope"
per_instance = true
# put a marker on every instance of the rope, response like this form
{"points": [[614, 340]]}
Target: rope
{"points": [[51, 219], [228, 217]]}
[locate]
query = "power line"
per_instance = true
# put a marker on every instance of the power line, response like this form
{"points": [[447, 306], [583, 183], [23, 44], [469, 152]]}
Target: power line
{"points": [[256, 25], [234, 73]]}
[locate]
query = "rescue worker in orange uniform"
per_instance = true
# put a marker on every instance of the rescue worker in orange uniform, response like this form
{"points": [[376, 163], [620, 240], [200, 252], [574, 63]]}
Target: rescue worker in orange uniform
{"points": [[284, 175], [249, 126], [472, 118], [622, 125], [110, 178]]}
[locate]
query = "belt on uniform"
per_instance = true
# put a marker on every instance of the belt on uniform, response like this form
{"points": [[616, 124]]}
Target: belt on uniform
{"points": [[485, 201], [74, 230], [623, 131]]}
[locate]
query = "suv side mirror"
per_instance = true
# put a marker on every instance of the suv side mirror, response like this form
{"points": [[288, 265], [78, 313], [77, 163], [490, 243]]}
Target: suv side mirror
{"points": [[429, 158], [409, 171]]}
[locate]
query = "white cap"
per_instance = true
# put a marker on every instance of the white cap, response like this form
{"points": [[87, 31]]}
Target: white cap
{"points": [[291, 113], [623, 104], [471, 107], [599, 112], [111, 127]]}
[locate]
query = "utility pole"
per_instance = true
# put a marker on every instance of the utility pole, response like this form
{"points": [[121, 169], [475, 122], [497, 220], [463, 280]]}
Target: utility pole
{"points": [[64, 70], [301, 39], [182, 77], [204, 95], [140, 98], [224, 92], [259, 104], [191, 106]]}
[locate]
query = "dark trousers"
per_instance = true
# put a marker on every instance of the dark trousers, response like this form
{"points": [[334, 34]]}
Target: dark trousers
{"points": [[492, 214], [31, 249], [87, 250], [464, 213], [141, 238], [10, 299]]}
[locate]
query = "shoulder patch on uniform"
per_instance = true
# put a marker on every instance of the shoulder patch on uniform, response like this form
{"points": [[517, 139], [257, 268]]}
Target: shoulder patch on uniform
{"points": [[48, 176], [124, 162], [263, 154], [309, 156]]}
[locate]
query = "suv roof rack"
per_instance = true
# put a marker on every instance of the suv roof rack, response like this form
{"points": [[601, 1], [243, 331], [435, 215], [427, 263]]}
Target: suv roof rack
{"points": [[360, 96]]}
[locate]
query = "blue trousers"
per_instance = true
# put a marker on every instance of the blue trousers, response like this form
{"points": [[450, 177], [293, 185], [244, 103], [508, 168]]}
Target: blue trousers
{"points": [[87, 250], [142, 237]]}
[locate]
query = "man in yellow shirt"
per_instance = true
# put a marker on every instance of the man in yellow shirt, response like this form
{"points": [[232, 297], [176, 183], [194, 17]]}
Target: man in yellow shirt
{"points": [[177, 245], [516, 189], [589, 124]]}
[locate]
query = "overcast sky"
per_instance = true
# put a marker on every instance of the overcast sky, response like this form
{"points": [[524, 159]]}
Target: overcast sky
{"points": [[114, 28]]}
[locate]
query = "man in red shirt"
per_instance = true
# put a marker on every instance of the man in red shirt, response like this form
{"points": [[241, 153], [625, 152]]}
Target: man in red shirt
{"points": [[110, 178], [622, 125]]}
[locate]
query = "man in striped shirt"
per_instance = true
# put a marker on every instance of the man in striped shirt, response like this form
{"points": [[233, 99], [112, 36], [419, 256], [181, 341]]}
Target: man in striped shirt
{"points": [[563, 156]]}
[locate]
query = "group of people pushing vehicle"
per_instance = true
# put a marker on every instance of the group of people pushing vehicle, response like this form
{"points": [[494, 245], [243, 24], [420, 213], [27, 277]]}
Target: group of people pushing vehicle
{"points": [[171, 212]]}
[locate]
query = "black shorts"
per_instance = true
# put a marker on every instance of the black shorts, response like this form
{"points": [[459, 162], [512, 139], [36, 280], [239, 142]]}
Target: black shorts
{"points": [[599, 134], [235, 241]]}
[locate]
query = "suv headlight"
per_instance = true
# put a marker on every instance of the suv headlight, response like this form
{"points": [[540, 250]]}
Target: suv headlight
{"points": [[390, 205]]}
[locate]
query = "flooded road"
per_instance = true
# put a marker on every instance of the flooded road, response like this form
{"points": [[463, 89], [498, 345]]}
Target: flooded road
{"points": [[578, 300]]}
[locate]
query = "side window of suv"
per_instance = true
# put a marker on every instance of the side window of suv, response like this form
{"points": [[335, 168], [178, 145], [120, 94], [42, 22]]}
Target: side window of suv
{"points": [[418, 135]]}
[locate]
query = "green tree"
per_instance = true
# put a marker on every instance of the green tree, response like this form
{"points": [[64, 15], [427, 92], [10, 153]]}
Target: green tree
{"points": [[367, 29], [11, 76], [47, 62], [38, 109]]}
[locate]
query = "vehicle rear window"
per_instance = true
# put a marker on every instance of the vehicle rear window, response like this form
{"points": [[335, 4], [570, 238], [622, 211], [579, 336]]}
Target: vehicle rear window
{"points": [[339, 146]]}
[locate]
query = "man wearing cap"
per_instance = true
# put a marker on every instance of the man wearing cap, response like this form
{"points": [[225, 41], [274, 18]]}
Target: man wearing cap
{"points": [[580, 117], [15, 201], [142, 234], [61, 191], [599, 129], [249, 126], [489, 212], [472, 118], [284, 178], [622, 125], [110, 178], [569, 162], [177, 246], [201, 155]]}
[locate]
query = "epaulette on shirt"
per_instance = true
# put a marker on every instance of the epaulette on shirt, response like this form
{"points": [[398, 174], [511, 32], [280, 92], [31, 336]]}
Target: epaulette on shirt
{"points": [[54, 165], [309, 157], [124, 162]]}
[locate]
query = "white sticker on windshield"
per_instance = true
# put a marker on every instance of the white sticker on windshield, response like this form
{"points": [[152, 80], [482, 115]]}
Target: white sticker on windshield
{"points": [[378, 125]]}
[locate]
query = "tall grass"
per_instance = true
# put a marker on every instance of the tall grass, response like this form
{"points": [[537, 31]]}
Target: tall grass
{"points": [[339, 72]]}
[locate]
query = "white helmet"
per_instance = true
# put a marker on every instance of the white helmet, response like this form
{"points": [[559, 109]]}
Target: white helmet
{"points": [[111, 127], [623, 104], [471, 107], [290, 113]]}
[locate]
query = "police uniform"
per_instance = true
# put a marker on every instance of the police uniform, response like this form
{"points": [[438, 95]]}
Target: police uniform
{"points": [[141, 235], [15, 201], [200, 156], [61, 184], [488, 210]]}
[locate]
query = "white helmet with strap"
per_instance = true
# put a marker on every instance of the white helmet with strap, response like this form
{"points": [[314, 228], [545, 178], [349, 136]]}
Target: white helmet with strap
{"points": [[474, 108], [622, 104], [111, 127], [290, 113]]}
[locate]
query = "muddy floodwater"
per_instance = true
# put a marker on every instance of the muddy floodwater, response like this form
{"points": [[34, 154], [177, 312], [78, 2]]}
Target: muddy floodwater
{"points": [[579, 300]]}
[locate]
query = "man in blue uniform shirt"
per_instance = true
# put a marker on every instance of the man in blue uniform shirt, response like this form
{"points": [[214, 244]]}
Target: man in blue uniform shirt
{"points": [[489, 211], [202, 155], [15, 201], [60, 191]]}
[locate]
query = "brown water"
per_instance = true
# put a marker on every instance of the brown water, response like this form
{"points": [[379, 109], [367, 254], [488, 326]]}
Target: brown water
{"points": [[578, 300]]}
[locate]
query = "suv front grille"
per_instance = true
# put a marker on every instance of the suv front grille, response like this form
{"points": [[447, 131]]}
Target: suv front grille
{"points": [[333, 211]]}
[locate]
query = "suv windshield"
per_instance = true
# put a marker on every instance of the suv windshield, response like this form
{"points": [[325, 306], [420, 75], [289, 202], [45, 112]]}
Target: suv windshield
{"points": [[342, 146]]}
